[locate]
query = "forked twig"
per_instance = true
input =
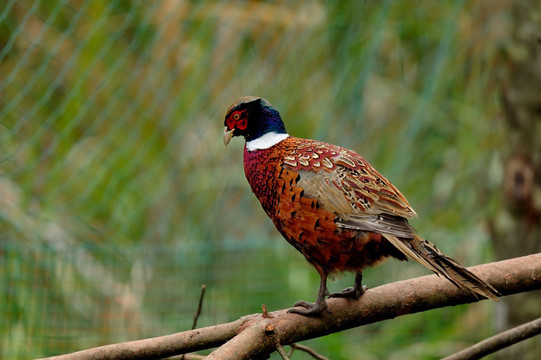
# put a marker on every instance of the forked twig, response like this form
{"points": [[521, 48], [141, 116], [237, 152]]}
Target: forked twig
{"points": [[197, 313], [203, 288], [281, 350], [308, 350]]}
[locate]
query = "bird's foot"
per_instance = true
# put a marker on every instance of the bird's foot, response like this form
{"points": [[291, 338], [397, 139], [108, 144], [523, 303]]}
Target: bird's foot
{"points": [[350, 292], [310, 309]]}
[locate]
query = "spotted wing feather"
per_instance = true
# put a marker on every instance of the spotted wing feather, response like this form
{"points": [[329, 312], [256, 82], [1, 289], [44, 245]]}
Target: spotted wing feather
{"points": [[346, 184]]}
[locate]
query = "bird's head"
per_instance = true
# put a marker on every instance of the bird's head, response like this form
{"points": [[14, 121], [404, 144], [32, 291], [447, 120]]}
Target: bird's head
{"points": [[252, 117]]}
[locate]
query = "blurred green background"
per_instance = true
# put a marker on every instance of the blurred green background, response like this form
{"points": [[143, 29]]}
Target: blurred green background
{"points": [[118, 199]]}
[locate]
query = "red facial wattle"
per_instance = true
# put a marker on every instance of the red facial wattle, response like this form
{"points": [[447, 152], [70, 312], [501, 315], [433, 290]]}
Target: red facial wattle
{"points": [[237, 120]]}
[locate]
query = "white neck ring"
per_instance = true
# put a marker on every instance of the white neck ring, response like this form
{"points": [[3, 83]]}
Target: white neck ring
{"points": [[266, 141]]}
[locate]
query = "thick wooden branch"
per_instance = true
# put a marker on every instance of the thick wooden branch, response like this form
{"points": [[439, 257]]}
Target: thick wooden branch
{"points": [[381, 303], [163, 346], [254, 335]]}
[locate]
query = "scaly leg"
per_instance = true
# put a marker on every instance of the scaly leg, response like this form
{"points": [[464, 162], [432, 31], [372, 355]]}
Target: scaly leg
{"points": [[314, 309]]}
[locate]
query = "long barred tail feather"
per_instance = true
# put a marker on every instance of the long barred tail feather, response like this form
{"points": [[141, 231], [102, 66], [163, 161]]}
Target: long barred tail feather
{"points": [[427, 254]]}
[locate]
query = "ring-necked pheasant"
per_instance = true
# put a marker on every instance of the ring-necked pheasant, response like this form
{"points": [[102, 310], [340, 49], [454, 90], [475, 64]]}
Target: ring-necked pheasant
{"points": [[332, 205]]}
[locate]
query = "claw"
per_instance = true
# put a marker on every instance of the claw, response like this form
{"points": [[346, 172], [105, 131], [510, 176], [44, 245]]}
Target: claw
{"points": [[310, 309], [354, 292], [350, 292], [304, 304]]}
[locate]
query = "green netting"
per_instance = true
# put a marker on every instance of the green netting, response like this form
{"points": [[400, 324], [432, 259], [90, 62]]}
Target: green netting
{"points": [[118, 199]]}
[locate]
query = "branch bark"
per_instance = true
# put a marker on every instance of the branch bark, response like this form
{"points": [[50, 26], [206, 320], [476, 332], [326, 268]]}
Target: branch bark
{"points": [[500, 341], [255, 336]]}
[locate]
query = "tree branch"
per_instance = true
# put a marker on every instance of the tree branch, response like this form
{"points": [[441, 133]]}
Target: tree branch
{"points": [[308, 350], [500, 341], [163, 346], [247, 337]]}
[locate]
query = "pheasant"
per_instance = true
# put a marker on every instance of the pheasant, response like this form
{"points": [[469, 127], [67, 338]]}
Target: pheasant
{"points": [[332, 205]]}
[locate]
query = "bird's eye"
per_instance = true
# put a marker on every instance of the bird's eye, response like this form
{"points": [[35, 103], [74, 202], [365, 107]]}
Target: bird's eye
{"points": [[236, 116]]}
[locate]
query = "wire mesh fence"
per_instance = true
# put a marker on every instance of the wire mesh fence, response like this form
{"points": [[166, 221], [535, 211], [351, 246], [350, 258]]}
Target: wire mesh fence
{"points": [[118, 201]]}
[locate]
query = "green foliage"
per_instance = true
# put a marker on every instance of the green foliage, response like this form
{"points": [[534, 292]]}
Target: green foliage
{"points": [[118, 199]]}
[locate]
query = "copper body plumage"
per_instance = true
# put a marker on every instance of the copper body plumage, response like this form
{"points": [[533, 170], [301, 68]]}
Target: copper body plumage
{"points": [[296, 201], [331, 205]]}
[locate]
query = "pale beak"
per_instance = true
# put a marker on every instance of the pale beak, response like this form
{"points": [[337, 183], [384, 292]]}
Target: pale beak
{"points": [[228, 134]]}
